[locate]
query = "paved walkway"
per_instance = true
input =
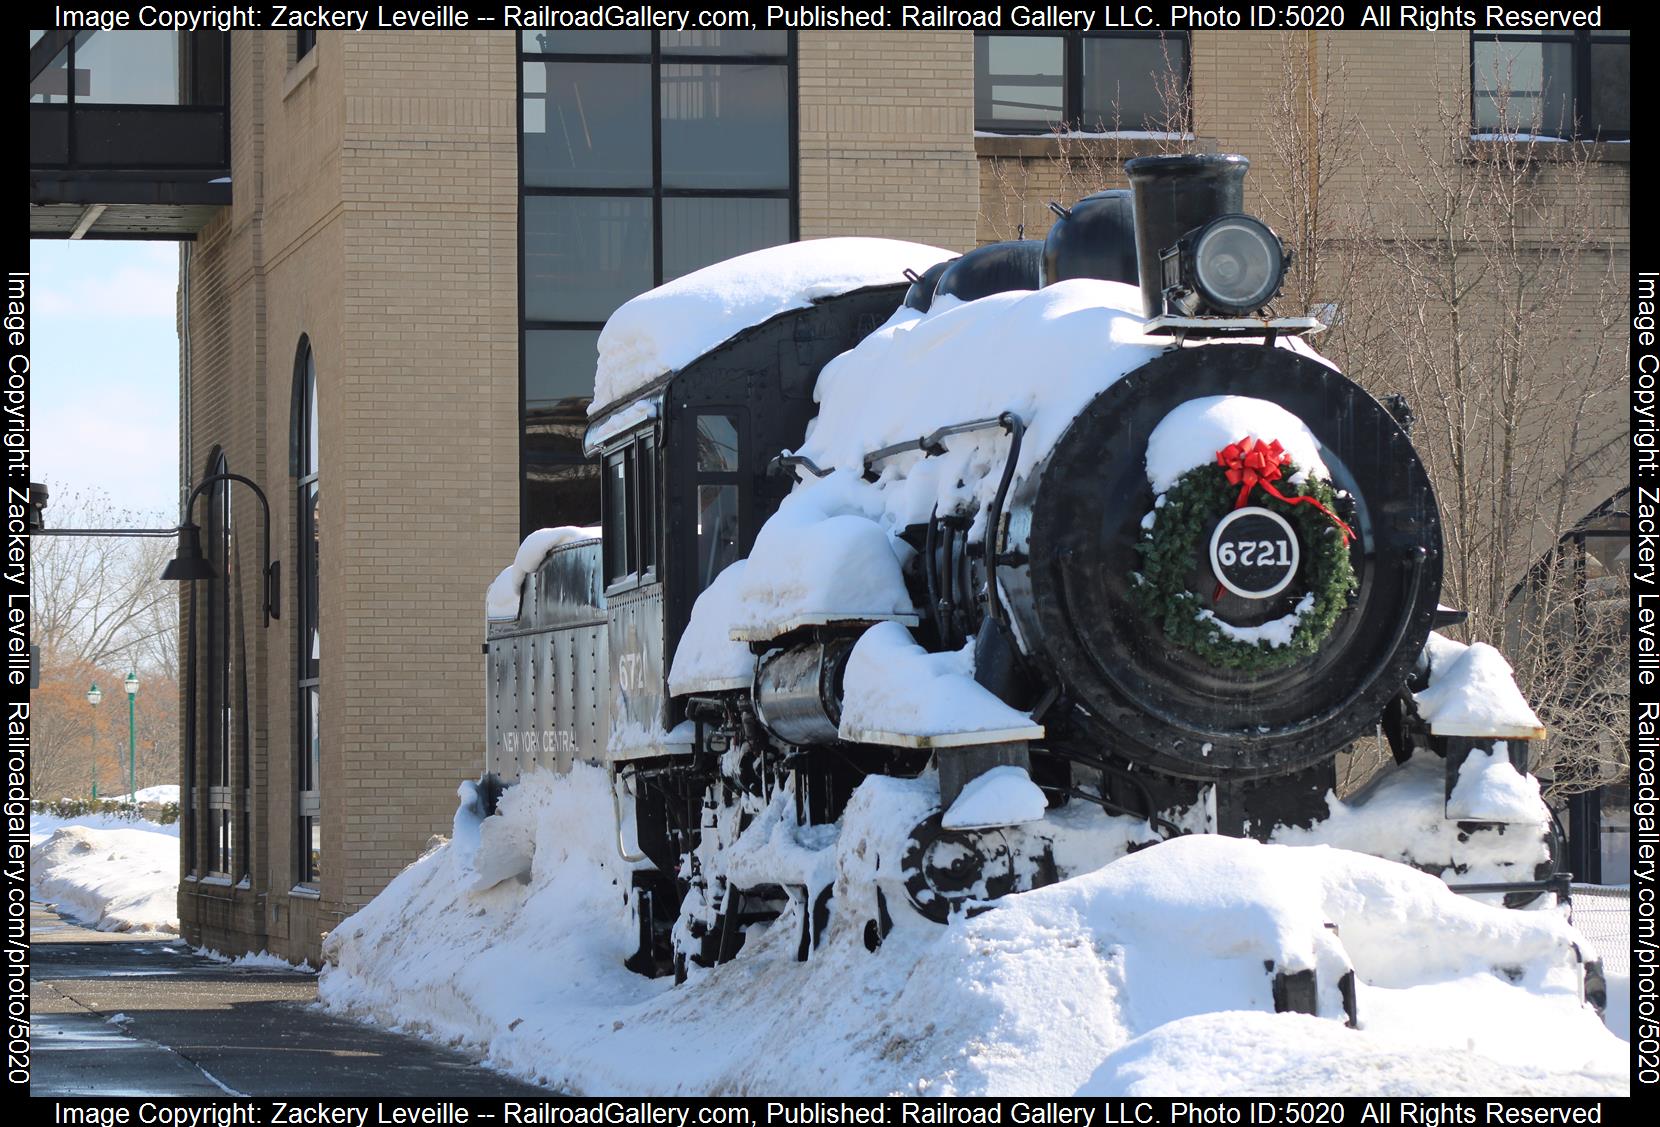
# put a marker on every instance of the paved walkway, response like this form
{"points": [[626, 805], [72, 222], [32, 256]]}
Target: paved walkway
{"points": [[119, 1016]]}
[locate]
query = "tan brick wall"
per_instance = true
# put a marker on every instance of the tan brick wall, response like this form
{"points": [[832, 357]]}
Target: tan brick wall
{"points": [[376, 214], [887, 146]]}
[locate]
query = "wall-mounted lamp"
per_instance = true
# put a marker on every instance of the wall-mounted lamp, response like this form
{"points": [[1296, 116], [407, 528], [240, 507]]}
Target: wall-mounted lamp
{"points": [[190, 564]]}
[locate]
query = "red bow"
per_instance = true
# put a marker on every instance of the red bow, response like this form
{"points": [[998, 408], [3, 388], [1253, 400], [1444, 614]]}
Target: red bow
{"points": [[1250, 462]]}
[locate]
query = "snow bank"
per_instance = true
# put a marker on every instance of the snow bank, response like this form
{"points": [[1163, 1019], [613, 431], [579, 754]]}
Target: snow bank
{"points": [[1190, 436], [666, 328], [1146, 974], [894, 691], [1472, 693], [123, 879], [1399, 816], [160, 794], [501, 601]]}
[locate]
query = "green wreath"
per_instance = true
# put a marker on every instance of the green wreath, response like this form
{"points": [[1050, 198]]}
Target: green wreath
{"points": [[1192, 507]]}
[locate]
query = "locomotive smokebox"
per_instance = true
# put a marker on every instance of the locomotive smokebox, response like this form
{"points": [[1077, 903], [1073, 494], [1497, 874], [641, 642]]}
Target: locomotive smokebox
{"points": [[1173, 195]]}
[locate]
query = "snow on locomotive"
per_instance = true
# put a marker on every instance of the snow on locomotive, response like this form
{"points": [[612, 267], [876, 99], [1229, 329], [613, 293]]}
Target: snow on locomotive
{"points": [[1009, 525]]}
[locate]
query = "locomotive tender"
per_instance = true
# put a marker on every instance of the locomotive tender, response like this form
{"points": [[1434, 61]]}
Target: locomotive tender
{"points": [[1178, 635]]}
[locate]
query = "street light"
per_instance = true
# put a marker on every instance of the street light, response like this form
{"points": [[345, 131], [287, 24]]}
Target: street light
{"points": [[190, 563], [93, 696], [132, 742]]}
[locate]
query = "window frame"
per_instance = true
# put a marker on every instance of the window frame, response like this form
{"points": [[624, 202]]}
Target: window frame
{"points": [[655, 59], [1581, 42], [637, 535], [306, 472], [1072, 77]]}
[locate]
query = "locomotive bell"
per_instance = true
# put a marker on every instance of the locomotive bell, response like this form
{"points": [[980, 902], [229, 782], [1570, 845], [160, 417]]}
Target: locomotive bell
{"points": [[1194, 241]]}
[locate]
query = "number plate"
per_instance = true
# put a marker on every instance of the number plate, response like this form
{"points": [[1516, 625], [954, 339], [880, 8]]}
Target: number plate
{"points": [[1254, 553]]}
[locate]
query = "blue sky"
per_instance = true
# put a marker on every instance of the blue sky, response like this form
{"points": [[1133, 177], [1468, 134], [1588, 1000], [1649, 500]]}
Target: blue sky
{"points": [[105, 387]]}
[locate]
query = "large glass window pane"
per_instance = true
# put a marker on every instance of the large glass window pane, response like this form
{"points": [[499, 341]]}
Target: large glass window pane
{"points": [[725, 126], [1524, 86], [705, 229], [717, 531], [725, 42], [584, 256], [585, 42], [559, 364], [130, 67], [554, 428], [1133, 83], [1610, 87], [717, 444], [558, 493], [1018, 81], [587, 125]]}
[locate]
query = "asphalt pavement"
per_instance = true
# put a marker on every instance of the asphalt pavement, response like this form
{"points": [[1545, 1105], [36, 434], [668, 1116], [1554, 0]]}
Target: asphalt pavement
{"points": [[115, 1015]]}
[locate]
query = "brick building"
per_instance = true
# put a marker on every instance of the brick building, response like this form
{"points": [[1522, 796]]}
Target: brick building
{"points": [[389, 325]]}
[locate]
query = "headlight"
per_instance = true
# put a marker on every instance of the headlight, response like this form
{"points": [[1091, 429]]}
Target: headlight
{"points": [[1234, 264]]}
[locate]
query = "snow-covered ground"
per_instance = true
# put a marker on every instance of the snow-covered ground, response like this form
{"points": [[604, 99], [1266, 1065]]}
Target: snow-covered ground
{"points": [[168, 792], [107, 872], [1143, 976]]}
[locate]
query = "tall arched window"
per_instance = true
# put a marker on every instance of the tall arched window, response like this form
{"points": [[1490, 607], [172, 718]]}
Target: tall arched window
{"points": [[221, 651], [308, 777]]}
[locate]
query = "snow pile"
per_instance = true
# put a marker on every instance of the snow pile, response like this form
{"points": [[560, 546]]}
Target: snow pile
{"points": [[264, 960], [894, 689], [161, 795], [1472, 693], [1399, 816], [501, 601], [1002, 796], [1145, 974], [666, 328], [707, 659], [116, 879], [1490, 789], [1041, 354], [823, 556], [1189, 436]]}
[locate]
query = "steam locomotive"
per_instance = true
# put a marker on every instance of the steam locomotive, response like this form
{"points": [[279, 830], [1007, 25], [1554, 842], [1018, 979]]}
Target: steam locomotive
{"points": [[1186, 653]]}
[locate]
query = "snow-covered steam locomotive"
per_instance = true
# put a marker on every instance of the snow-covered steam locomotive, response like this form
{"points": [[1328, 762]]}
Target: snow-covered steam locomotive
{"points": [[1065, 526]]}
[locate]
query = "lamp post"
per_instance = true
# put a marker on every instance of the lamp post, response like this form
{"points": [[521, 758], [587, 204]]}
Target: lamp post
{"points": [[93, 696], [132, 740]]}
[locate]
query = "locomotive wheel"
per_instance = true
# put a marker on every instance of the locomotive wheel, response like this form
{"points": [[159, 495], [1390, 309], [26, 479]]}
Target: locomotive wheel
{"points": [[945, 869], [1154, 702]]}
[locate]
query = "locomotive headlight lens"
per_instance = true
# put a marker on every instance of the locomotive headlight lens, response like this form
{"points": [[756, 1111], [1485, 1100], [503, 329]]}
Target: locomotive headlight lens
{"points": [[1238, 264]]}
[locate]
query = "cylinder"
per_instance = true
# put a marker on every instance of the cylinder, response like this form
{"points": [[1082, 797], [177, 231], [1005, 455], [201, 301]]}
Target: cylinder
{"points": [[798, 692], [1094, 239], [1173, 195]]}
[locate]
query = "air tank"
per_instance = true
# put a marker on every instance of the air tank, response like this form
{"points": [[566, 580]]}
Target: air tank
{"points": [[1173, 195]]}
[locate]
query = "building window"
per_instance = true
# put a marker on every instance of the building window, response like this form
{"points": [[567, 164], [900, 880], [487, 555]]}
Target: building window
{"points": [[643, 156], [305, 41], [222, 646], [1563, 85], [1124, 81], [308, 690]]}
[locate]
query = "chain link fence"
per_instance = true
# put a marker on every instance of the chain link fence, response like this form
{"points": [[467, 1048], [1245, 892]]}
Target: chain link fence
{"points": [[1602, 913]]}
